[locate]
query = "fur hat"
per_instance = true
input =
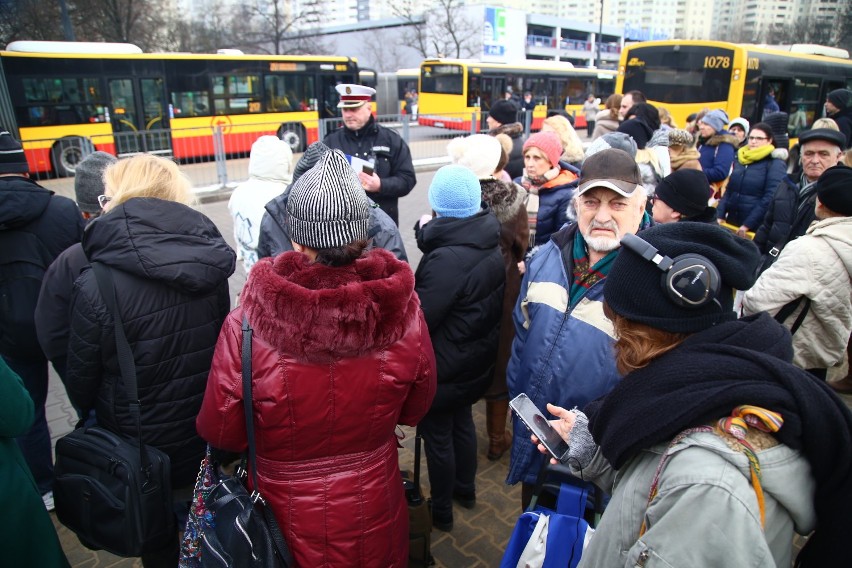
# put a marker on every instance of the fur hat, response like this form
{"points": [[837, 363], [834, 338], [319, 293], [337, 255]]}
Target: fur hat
{"points": [[683, 138], [12, 158], [504, 112], [455, 192], [834, 189], [635, 290], [840, 98], [480, 153], [548, 143], [777, 123], [619, 140], [327, 207], [89, 180], [715, 119], [686, 191], [741, 122]]}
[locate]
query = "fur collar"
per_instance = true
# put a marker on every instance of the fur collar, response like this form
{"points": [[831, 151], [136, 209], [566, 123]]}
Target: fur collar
{"points": [[504, 198], [316, 313], [512, 130], [726, 138]]}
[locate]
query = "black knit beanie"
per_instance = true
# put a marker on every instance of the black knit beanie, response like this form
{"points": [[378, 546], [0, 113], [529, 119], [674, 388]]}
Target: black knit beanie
{"points": [[504, 112], [12, 158], [638, 130], [834, 189], [686, 191], [840, 98], [635, 289]]}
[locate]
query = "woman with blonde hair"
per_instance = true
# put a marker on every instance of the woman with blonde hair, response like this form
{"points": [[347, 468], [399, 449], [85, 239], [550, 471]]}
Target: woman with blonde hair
{"points": [[666, 120], [607, 119], [572, 146], [171, 266]]}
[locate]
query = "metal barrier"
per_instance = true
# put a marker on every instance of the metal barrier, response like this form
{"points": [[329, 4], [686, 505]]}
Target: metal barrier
{"points": [[216, 157]]}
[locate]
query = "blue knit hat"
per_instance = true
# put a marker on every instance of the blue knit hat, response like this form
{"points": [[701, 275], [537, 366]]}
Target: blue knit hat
{"points": [[716, 119], [455, 192]]}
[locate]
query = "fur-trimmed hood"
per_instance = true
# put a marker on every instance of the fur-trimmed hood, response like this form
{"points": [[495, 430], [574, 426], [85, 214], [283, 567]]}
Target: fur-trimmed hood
{"points": [[504, 197], [314, 312], [512, 130], [723, 138]]}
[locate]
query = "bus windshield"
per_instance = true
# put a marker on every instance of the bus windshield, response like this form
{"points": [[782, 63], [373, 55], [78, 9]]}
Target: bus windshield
{"points": [[680, 74], [444, 79]]}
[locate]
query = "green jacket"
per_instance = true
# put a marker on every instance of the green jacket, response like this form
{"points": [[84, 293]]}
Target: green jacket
{"points": [[28, 533]]}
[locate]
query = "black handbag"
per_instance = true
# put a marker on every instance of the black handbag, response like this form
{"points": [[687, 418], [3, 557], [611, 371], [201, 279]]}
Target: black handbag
{"points": [[419, 515], [114, 492], [245, 533]]}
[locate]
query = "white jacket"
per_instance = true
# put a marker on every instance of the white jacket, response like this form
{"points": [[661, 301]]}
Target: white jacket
{"points": [[817, 265], [270, 173]]}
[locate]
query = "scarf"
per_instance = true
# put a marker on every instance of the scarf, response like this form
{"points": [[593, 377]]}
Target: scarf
{"points": [[534, 183], [586, 276], [747, 156], [685, 156], [746, 361]]}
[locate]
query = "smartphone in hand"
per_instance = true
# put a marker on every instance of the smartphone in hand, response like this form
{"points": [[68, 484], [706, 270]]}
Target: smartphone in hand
{"points": [[367, 169], [529, 413]]}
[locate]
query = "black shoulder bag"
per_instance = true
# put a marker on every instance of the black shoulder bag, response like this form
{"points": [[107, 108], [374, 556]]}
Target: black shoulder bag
{"points": [[246, 534], [115, 492]]}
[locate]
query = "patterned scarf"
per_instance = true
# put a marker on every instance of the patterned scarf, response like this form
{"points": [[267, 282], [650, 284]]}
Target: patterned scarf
{"points": [[748, 156], [585, 276]]}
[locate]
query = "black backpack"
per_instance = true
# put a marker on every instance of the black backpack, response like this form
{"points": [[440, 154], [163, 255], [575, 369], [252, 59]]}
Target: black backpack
{"points": [[23, 262]]}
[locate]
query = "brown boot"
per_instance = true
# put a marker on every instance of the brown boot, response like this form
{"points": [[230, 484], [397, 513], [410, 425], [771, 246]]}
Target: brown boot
{"points": [[499, 440]]}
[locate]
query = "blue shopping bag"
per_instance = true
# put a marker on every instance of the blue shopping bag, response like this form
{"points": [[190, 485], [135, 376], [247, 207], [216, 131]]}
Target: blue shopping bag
{"points": [[555, 541]]}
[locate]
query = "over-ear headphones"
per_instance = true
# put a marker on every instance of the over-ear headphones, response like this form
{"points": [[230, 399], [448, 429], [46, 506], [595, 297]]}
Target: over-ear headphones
{"points": [[690, 280]]}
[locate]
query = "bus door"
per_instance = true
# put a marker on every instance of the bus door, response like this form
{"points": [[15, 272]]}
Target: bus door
{"points": [[140, 115], [774, 95], [328, 97]]}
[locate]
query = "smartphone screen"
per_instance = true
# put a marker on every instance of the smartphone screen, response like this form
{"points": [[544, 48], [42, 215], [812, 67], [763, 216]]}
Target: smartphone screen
{"points": [[529, 413]]}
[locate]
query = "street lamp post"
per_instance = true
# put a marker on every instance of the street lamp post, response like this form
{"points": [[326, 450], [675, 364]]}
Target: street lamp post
{"points": [[600, 36]]}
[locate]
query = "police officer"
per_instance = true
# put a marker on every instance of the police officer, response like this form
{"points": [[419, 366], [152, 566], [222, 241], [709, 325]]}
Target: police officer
{"points": [[381, 158]]}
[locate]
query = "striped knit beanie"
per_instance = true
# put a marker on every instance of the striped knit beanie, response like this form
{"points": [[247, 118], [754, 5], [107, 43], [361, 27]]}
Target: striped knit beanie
{"points": [[12, 158], [327, 207]]}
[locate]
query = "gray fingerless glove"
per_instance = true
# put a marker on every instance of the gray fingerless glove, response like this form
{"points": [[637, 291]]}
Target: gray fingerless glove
{"points": [[582, 446]]}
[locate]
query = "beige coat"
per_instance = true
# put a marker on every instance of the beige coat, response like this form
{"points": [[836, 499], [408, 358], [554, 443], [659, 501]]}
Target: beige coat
{"points": [[817, 265]]}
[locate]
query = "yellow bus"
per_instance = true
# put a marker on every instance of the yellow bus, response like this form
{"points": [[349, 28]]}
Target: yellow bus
{"points": [[66, 99], [452, 91], [392, 88], [688, 76]]}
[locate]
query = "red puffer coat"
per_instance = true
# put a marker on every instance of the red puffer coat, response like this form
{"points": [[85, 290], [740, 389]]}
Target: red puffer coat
{"points": [[340, 356]]}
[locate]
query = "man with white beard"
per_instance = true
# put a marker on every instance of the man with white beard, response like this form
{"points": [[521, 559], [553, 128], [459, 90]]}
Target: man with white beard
{"points": [[563, 341]]}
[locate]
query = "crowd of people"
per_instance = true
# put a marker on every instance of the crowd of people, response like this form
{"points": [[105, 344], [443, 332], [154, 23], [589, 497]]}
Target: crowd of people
{"points": [[672, 297]]}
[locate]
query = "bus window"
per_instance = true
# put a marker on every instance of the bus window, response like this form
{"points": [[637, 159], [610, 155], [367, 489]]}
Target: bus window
{"points": [[473, 91], [287, 93], [693, 74], [445, 79], [234, 94], [805, 105], [50, 101]]}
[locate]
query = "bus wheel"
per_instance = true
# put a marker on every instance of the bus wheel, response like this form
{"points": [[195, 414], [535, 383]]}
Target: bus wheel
{"points": [[294, 136], [67, 153]]}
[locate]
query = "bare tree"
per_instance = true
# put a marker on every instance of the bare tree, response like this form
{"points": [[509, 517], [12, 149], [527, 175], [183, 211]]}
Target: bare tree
{"points": [[142, 22], [384, 51], [29, 19], [278, 27], [202, 33], [443, 31]]}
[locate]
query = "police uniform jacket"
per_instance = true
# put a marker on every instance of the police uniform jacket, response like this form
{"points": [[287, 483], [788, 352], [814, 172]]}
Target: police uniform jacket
{"points": [[391, 156]]}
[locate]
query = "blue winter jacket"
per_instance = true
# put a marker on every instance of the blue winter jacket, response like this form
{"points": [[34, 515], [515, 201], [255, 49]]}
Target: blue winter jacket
{"points": [[561, 354], [750, 191], [717, 155], [553, 205]]}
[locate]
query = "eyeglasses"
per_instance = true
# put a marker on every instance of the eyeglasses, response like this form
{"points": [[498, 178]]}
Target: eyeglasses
{"points": [[758, 138], [103, 200]]}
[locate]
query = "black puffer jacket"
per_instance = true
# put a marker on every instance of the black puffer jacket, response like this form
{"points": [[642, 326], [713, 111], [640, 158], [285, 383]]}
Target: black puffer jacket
{"points": [[171, 267], [789, 216], [515, 131], [460, 282], [391, 156], [35, 226]]}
